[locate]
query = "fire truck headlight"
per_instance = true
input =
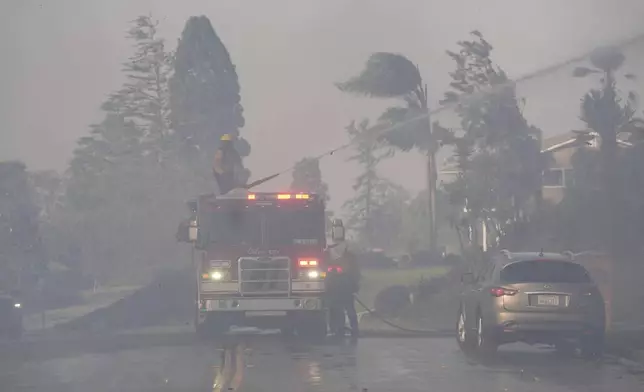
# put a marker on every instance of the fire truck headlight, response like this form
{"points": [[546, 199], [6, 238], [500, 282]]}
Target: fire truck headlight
{"points": [[216, 275], [314, 274]]}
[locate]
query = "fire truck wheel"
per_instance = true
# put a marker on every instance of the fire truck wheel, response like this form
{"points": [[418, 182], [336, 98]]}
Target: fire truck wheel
{"points": [[312, 326], [202, 331]]}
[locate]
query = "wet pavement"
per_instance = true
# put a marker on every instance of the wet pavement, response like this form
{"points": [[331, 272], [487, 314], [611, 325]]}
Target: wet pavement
{"points": [[268, 363]]}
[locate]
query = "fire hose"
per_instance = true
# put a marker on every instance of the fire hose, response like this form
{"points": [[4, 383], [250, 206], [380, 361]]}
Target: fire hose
{"points": [[388, 322]]}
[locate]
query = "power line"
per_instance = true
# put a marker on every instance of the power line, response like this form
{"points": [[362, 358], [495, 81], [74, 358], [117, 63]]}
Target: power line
{"points": [[532, 75]]}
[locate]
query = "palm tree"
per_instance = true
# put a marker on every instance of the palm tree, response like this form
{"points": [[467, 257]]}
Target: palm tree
{"points": [[390, 75], [609, 114], [603, 109]]}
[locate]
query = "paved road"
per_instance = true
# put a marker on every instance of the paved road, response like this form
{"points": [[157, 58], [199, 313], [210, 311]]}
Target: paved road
{"points": [[268, 363]]}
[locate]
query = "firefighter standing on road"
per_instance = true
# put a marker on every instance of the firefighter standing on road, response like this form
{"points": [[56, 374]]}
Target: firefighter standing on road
{"points": [[226, 165], [342, 283]]}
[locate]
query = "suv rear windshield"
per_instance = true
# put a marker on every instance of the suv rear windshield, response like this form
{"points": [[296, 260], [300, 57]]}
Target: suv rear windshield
{"points": [[544, 271]]}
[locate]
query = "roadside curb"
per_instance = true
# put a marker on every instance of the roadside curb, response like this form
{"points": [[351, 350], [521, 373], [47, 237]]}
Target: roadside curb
{"points": [[375, 333]]}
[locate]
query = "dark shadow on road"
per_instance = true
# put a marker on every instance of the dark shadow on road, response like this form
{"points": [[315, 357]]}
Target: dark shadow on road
{"points": [[168, 299]]}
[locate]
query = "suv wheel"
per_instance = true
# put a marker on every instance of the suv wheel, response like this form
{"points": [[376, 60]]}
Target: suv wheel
{"points": [[202, 331], [485, 344], [463, 337]]}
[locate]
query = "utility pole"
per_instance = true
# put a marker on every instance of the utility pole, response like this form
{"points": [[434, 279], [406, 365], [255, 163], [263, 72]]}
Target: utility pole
{"points": [[432, 175]]}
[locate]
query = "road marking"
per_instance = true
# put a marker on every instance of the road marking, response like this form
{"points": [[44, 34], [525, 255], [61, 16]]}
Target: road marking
{"points": [[239, 367], [223, 371], [230, 374]]}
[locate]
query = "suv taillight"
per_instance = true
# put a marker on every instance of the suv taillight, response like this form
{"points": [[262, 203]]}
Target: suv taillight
{"points": [[501, 291]]}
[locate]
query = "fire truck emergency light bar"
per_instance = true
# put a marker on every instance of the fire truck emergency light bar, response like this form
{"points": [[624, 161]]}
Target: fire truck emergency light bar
{"points": [[242, 194], [279, 196]]}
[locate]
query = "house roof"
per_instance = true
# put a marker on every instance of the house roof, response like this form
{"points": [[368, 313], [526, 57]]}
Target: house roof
{"points": [[573, 139], [557, 142], [548, 142]]}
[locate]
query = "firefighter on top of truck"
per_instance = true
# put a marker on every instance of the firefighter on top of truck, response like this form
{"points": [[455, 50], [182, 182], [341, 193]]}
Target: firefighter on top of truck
{"points": [[226, 165], [342, 283]]}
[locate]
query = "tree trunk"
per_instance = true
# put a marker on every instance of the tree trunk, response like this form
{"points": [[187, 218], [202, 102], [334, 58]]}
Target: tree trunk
{"points": [[612, 192], [368, 225], [461, 245], [432, 173], [431, 192], [612, 198]]}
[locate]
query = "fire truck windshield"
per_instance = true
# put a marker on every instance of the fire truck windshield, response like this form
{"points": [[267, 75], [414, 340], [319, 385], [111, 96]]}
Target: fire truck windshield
{"points": [[236, 227], [295, 227], [268, 226]]}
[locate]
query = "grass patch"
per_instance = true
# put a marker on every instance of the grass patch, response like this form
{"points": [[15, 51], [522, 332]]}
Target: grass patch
{"points": [[437, 312], [108, 294], [374, 280]]}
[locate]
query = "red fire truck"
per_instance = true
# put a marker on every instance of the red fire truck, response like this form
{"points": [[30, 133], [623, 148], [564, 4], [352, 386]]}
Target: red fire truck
{"points": [[259, 262]]}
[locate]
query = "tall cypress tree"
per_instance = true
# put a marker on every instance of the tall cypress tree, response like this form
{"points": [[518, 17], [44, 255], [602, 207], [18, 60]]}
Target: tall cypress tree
{"points": [[144, 97], [307, 177], [204, 90], [371, 190], [20, 245]]}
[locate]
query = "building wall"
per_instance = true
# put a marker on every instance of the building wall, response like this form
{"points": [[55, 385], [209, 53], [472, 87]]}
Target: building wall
{"points": [[559, 176], [555, 180]]}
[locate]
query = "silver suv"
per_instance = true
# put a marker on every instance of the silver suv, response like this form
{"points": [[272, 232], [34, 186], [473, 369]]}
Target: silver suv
{"points": [[536, 298]]}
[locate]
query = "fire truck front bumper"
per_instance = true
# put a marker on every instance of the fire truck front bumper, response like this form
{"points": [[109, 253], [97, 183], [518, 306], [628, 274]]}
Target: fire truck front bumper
{"points": [[263, 306], [297, 287]]}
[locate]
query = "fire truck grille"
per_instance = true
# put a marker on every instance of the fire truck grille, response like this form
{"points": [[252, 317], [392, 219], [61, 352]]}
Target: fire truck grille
{"points": [[265, 275]]}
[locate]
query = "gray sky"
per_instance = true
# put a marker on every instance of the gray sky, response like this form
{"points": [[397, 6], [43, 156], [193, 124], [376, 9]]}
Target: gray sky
{"points": [[61, 57]]}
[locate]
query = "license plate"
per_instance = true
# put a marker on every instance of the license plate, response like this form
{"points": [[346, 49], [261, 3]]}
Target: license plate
{"points": [[305, 241], [255, 313], [219, 263], [548, 300]]}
